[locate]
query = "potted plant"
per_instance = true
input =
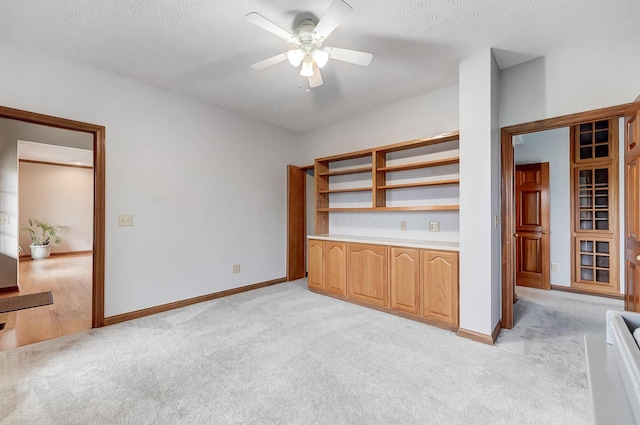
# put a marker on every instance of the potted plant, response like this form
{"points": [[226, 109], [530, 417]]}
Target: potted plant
{"points": [[43, 237]]}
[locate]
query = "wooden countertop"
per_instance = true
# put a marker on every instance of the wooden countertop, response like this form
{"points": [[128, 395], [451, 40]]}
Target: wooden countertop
{"points": [[405, 243]]}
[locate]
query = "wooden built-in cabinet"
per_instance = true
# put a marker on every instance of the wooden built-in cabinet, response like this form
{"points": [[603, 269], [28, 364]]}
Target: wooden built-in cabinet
{"points": [[419, 284], [404, 279], [315, 264], [439, 291], [367, 273], [336, 267]]}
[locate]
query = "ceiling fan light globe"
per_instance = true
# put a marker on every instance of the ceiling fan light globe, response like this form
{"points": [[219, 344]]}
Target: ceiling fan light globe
{"points": [[295, 57], [320, 57], [307, 69]]}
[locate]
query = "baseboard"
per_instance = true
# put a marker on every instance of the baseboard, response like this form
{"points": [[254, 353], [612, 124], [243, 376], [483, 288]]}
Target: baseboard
{"points": [[483, 338], [580, 291], [111, 320], [8, 289], [27, 257], [496, 331]]}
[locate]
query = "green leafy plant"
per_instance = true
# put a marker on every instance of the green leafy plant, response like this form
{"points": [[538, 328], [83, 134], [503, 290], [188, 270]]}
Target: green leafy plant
{"points": [[43, 233]]}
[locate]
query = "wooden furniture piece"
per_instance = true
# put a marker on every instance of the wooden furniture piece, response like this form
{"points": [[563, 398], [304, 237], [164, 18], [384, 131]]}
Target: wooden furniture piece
{"points": [[594, 205], [418, 281], [371, 178]]}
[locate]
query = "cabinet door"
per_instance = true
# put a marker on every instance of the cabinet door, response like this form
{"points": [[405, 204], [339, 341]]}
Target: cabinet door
{"points": [[367, 273], [439, 295], [315, 259], [336, 267], [404, 279]]}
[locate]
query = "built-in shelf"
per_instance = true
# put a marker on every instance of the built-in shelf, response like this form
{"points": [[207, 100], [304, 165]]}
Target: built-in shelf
{"points": [[346, 171], [420, 184], [418, 165], [351, 189], [381, 209], [382, 182]]}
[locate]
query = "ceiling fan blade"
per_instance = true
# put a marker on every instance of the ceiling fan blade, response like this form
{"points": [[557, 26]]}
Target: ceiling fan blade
{"points": [[336, 13], [262, 22], [271, 61], [316, 79], [351, 56]]}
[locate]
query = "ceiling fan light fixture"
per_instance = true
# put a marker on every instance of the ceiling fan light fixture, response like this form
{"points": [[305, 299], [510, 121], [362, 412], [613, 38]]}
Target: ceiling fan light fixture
{"points": [[307, 69], [295, 57], [320, 57]]}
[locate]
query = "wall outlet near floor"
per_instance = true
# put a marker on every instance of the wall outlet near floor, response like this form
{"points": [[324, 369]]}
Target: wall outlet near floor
{"points": [[555, 267], [236, 268], [403, 225], [125, 220], [434, 226]]}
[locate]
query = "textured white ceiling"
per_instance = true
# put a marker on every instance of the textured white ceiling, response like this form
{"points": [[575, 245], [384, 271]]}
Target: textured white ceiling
{"points": [[204, 48]]}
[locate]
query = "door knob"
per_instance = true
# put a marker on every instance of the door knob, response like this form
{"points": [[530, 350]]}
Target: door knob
{"points": [[515, 235], [544, 232], [638, 257]]}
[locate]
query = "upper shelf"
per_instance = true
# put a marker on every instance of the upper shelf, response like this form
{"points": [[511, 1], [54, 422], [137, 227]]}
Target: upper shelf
{"points": [[418, 165], [347, 171]]}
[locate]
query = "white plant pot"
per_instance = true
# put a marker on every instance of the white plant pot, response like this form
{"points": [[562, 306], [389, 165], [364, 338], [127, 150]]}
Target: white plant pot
{"points": [[38, 252]]}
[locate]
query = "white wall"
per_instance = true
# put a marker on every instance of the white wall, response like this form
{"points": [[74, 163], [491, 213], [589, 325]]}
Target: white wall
{"points": [[206, 187], [552, 146], [586, 77], [479, 192], [422, 116], [61, 196]]}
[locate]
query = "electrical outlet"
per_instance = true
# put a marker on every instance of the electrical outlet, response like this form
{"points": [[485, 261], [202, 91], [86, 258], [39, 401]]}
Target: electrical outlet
{"points": [[555, 267], [236, 268], [4, 219], [434, 226], [125, 220], [403, 225]]}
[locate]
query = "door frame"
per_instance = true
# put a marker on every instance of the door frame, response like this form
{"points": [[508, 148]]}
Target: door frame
{"points": [[507, 191], [98, 132]]}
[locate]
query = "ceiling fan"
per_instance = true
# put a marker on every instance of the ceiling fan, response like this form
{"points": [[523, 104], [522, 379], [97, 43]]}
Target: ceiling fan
{"points": [[308, 54]]}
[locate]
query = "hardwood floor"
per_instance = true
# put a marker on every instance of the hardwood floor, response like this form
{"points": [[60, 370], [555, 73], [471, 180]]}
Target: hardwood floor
{"points": [[69, 279]]}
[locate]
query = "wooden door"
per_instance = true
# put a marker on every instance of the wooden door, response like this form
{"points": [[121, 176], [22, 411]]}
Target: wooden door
{"points": [[336, 267], [296, 217], [316, 265], [439, 292], [367, 273], [404, 280], [532, 225], [632, 207]]}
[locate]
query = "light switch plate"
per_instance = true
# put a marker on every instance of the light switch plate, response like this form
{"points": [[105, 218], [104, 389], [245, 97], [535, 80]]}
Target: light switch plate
{"points": [[4, 218], [555, 267], [236, 268], [434, 226], [403, 225]]}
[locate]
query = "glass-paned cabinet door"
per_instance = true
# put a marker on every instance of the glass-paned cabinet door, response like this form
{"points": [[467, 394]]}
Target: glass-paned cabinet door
{"points": [[594, 261], [593, 141], [593, 198]]}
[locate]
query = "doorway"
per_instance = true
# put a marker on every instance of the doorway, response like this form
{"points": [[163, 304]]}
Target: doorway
{"points": [[97, 133], [508, 191]]}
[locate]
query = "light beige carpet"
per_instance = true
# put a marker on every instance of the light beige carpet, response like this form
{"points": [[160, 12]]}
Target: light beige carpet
{"points": [[283, 355]]}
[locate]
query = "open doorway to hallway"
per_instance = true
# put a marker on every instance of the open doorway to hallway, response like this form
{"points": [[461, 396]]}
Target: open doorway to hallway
{"points": [[48, 175]]}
